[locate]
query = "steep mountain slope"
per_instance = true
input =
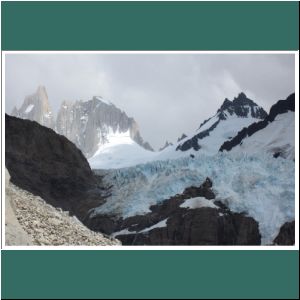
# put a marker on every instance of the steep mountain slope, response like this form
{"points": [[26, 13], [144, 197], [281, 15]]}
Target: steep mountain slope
{"points": [[274, 135], [50, 166], [36, 107], [92, 124], [121, 151], [229, 119], [88, 124], [30, 221]]}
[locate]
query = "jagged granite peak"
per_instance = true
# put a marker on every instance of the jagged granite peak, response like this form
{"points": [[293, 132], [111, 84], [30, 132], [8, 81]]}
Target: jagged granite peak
{"points": [[238, 113], [274, 134], [36, 107], [167, 144], [242, 107], [90, 124]]}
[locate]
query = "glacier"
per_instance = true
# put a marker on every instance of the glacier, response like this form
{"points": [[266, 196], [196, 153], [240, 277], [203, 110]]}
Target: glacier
{"points": [[259, 185]]}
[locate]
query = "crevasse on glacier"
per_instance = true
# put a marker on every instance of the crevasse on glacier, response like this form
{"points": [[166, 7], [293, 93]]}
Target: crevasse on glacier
{"points": [[261, 186]]}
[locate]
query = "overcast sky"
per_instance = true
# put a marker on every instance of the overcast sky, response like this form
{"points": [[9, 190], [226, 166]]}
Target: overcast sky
{"points": [[167, 94]]}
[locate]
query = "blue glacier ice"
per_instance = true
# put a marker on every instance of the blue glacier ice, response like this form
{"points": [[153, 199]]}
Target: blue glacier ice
{"points": [[259, 185]]}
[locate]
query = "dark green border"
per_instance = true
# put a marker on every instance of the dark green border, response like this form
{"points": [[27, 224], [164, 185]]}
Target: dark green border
{"points": [[151, 274], [150, 26]]}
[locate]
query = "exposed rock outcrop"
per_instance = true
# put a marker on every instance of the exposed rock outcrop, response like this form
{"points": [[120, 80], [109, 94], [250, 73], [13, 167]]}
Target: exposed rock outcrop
{"points": [[36, 107], [286, 235], [90, 124], [166, 145], [183, 136], [173, 222]]}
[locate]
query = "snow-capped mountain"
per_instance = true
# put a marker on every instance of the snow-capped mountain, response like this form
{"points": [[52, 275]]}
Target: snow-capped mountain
{"points": [[230, 118], [36, 107], [274, 135], [97, 124], [92, 125], [225, 124]]}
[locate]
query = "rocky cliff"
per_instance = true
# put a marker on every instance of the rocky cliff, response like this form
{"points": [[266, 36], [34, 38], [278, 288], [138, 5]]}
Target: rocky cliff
{"points": [[50, 166], [88, 124], [36, 107], [91, 124]]}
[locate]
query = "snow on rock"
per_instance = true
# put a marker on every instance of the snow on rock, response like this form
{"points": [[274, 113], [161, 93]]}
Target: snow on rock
{"points": [[29, 108], [261, 186], [160, 224], [198, 202], [278, 136], [103, 100]]}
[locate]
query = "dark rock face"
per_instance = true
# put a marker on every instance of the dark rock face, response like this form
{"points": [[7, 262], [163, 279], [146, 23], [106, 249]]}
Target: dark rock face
{"points": [[240, 106], [282, 106], [49, 165], [193, 142], [286, 235], [200, 226]]}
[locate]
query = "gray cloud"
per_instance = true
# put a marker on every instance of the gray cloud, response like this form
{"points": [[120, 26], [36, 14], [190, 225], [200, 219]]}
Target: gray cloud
{"points": [[167, 94]]}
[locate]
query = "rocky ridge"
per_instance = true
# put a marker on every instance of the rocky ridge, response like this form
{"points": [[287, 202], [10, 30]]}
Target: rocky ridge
{"points": [[240, 108], [281, 107], [88, 124], [36, 107]]}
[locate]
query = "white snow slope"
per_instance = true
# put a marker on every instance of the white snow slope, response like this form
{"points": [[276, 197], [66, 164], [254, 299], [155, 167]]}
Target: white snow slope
{"points": [[261, 186], [121, 151], [279, 135]]}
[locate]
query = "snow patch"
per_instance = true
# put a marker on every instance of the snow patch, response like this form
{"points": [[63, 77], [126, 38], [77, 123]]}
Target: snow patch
{"points": [[198, 202], [160, 224], [103, 100], [29, 108], [119, 151]]}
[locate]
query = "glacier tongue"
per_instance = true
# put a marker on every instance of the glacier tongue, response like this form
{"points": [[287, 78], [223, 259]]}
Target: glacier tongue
{"points": [[261, 186]]}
